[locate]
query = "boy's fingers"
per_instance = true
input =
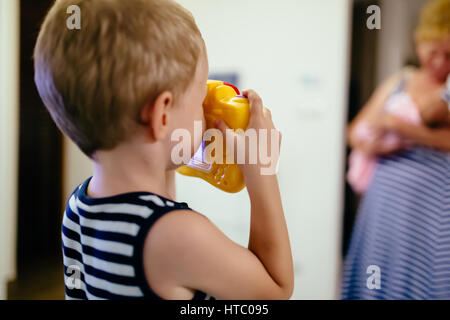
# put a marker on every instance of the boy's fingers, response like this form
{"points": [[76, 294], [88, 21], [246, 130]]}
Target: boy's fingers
{"points": [[256, 106], [267, 113]]}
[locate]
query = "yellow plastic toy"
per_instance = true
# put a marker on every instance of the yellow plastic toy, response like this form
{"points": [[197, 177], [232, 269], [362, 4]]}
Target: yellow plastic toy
{"points": [[223, 101]]}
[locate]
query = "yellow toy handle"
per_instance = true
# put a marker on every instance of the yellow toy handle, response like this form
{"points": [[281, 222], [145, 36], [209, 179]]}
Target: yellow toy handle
{"points": [[223, 101]]}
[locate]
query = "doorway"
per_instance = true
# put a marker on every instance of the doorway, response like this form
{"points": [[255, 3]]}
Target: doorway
{"points": [[39, 256]]}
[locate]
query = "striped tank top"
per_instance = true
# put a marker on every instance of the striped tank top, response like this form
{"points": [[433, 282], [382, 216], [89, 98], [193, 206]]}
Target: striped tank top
{"points": [[102, 242]]}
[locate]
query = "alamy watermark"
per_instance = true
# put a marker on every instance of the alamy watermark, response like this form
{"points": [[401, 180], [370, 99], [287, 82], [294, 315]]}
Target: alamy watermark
{"points": [[73, 22], [374, 280], [73, 277], [256, 150], [374, 20]]}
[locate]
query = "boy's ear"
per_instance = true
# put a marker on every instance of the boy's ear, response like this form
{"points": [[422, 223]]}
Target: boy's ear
{"points": [[155, 115]]}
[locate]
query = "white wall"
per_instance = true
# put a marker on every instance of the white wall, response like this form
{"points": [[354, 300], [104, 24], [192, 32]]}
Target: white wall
{"points": [[295, 54], [9, 121]]}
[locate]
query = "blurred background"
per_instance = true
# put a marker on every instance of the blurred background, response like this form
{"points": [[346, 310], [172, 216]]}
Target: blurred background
{"points": [[314, 62]]}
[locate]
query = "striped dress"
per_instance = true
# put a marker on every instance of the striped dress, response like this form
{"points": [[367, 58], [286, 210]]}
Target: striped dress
{"points": [[400, 246], [103, 242]]}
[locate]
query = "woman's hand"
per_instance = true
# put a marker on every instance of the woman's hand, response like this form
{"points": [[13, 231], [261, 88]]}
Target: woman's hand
{"points": [[388, 122], [376, 145]]}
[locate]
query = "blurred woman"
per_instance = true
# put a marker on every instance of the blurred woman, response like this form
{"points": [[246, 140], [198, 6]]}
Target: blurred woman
{"points": [[400, 245]]}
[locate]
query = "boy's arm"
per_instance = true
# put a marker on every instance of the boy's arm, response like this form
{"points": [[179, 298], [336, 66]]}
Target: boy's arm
{"points": [[269, 239], [187, 251]]}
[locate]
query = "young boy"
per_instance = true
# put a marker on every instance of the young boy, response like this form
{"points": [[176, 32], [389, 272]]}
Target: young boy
{"points": [[118, 87]]}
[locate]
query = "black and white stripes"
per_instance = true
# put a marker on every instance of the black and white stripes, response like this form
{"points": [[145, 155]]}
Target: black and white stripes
{"points": [[103, 240], [403, 226]]}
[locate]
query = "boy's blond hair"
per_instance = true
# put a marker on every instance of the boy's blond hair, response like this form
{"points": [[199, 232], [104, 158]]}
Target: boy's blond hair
{"points": [[94, 81]]}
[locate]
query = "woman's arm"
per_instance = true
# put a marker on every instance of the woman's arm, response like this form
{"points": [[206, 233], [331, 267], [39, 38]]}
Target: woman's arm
{"points": [[438, 138], [372, 110]]}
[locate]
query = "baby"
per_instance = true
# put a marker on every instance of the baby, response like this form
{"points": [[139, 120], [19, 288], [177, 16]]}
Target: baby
{"points": [[361, 165]]}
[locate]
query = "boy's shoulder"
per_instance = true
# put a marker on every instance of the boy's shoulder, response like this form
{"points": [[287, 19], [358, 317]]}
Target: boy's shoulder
{"points": [[140, 204], [175, 245]]}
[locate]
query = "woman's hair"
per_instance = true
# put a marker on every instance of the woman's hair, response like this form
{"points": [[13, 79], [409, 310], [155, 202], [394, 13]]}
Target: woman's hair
{"points": [[434, 23], [95, 81]]}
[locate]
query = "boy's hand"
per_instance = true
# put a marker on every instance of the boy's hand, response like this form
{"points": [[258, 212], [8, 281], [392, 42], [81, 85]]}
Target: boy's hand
{"points": [[215, 264], [260, 118]]}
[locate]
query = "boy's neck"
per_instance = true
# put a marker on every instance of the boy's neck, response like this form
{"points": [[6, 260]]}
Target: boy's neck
{"points": [[128, 168]]}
